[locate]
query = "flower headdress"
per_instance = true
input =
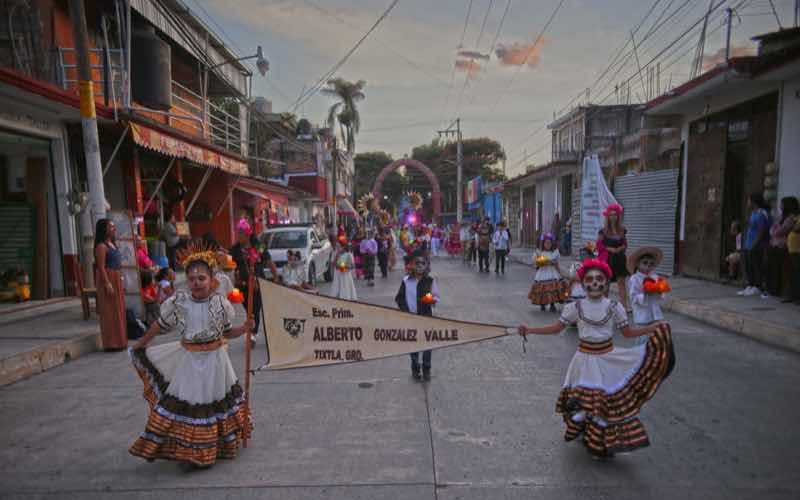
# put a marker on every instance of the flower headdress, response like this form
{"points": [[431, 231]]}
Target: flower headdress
{"points": [[589, 264], [614, 207], [198, 250], [243, 226]]}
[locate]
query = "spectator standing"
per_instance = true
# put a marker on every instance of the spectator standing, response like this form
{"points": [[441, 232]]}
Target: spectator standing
{"points": [[756, 238], [484, 241], [502, 247], [777, 254], [169, 234], [793, 246], [369, 250], [411, 298], [382, 239], [110, 292]]}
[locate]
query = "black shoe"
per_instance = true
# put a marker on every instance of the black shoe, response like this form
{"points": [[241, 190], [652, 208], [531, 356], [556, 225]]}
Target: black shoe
{"points": [[426, 375], [415, 374]]}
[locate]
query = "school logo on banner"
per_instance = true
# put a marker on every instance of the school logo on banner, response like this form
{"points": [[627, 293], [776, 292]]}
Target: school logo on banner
{"points": [[294, 327], [304, 329]]}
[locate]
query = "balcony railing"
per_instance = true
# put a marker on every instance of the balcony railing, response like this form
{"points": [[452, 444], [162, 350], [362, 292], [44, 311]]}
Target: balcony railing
{"points": [[189, 113]]}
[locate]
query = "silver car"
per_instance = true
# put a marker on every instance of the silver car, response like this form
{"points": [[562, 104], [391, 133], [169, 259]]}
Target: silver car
{"points": [[316, 252]]}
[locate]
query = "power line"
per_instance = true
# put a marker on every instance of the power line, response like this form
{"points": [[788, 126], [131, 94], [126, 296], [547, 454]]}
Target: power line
{"points": [[314, 88], [477, 49], [387, 46], [453, 74]]}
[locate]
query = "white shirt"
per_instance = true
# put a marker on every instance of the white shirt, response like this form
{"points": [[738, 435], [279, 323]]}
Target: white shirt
{"points": [[292, 276], [463, 233], [500, 239], [411, 293], [646, 306], [597, 320], [225, 285]]}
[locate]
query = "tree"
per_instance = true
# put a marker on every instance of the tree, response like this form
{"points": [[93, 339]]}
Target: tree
{"points": [[367, 168], [481, 158], [345, 111]]}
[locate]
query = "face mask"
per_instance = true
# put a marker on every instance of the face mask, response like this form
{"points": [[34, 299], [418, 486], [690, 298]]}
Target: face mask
{"points": [[646, 265]]}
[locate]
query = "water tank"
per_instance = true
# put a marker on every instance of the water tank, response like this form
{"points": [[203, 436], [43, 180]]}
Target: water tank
{"points": [[151, 69]]}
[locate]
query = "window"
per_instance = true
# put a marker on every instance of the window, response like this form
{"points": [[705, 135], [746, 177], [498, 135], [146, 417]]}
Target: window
{"points": [[287, 239]]}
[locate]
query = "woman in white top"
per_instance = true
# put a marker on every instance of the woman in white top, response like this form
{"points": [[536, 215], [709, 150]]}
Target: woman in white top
{"points": [[606, 386], [197, 407], [343, 286], [548, 286]]}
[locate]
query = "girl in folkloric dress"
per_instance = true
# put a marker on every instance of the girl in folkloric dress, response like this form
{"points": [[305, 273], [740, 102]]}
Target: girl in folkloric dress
{"points": [[198, 411], [343, 286], [548, 286], [606, 385]]}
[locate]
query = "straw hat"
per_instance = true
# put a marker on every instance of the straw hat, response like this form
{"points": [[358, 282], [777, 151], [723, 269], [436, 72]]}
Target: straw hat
{"points": [[633, 259]]}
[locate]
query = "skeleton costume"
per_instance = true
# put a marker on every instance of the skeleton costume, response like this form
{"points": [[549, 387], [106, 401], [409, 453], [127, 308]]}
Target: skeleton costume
{"points": [[606, 386], [197, 408]]}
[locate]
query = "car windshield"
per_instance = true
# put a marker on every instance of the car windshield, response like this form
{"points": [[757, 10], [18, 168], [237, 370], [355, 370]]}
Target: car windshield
{"points": [[287, 239]]}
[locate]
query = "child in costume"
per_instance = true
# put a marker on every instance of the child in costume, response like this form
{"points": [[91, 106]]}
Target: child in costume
{"points": [[418, 294], [198, 411], [646, 304], [293, 274], [343, 286], [548, 286], [576, 291], [166, 283], [606, 386], [149, 293]]}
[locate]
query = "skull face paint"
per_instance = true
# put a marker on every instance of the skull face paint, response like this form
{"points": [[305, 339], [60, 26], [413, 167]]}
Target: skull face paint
{"points": [[647, 264], [595, 283]]}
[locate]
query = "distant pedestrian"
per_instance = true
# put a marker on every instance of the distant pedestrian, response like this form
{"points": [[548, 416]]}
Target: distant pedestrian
{"points": [[756, 238], [418, 294], [777, 255], [502, 247], [484, 244], [369, 251], [549, 286], [612, 242], [343, 286], [793, 246], [555, 229], [172, 240]]}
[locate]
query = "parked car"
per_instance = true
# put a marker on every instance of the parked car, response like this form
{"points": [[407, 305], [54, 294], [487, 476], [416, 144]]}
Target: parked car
{"points": [[316, 251]]}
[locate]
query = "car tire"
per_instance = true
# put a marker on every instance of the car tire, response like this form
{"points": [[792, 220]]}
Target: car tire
{"points": [[328, 273], [312, 275]]}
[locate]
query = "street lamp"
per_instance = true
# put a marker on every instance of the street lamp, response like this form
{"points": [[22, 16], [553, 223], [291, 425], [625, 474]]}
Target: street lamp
{"points": [[261, 62]]}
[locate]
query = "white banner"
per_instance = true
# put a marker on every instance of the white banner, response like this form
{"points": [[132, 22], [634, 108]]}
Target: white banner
{"points": [[595, 197], [304, 329]]}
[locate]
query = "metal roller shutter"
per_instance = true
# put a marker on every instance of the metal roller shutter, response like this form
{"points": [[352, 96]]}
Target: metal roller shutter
{"points": [[650, 201]]}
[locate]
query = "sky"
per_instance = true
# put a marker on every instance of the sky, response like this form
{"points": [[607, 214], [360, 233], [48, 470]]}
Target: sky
{"points": [[505, 81]]}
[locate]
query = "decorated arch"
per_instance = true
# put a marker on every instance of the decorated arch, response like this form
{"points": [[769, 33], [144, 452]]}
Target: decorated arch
{"points": [[436, 193]]}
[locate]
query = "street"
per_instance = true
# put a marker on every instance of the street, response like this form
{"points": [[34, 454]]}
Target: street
{"points": [[722, 426]]}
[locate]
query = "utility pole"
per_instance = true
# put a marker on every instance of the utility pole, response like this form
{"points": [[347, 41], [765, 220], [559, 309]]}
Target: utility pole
{"points": [[729, 13], [91, 141], [333, 177], [459, 164]]}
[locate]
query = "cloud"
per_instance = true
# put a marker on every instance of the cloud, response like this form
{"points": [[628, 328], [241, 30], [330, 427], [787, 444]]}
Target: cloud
{"points": [[718, 57], [473, 54], [517, 53], [471, 68]]}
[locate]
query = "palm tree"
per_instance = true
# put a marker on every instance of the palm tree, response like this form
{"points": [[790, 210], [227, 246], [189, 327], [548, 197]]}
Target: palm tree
{"points": [[345, 111]]}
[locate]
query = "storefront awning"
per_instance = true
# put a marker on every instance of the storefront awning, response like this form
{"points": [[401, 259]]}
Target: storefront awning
{"points": [[346, 209], [172, 146]]}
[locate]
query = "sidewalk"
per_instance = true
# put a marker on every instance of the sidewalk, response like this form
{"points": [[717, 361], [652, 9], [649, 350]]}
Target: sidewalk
{"points": [[766, 320], [39, 335]]}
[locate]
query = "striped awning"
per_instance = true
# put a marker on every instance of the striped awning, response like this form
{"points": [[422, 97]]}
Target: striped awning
{"points": [[172, 146]]}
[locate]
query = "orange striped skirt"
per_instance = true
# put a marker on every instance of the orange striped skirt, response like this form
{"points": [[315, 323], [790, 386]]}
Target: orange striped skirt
{"points": [[607, 422], [195, 433]]}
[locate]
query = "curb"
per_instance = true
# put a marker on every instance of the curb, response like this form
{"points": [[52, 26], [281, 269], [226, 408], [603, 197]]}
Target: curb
{"points": [[38, 360], [756, 329]]}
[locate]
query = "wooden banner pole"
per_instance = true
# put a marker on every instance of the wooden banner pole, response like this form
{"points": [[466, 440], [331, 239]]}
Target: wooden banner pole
{"points": [[248, 347]]}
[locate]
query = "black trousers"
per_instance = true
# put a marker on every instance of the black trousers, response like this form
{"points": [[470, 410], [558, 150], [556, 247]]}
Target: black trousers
{"points": [[483, 258], [426, 361], [794, 258], [776, 258], [383, 262], [368, 264], [500, 260], [754, 267]]}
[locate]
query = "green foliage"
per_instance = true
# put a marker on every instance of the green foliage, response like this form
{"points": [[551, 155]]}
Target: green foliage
{"points": [[345, 111], [367, 168]]}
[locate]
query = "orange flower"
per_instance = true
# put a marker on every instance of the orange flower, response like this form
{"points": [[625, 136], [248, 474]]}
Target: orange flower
{"points": [[235, 296], [428, 298]]}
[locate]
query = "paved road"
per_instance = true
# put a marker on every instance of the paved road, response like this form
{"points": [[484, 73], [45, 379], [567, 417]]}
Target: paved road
{"points": [[723, 426]]}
